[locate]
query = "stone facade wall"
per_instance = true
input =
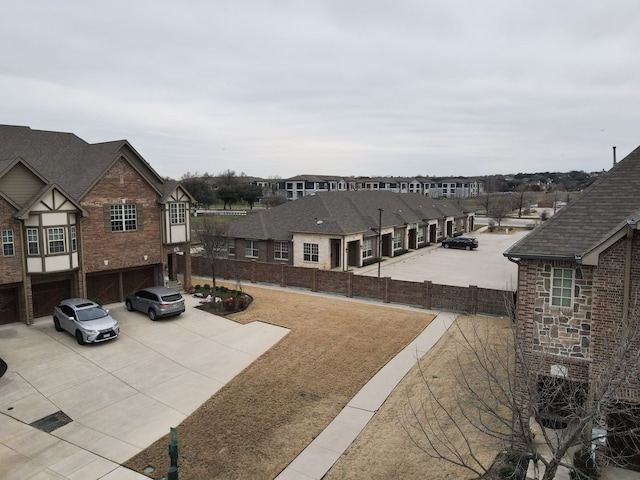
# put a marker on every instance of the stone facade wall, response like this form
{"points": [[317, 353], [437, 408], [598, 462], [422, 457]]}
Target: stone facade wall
{"points": [[563, 331]]}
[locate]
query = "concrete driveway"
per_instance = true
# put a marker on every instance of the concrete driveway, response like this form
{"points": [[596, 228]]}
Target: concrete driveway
{"points": [[76, 412], [484, 267]]}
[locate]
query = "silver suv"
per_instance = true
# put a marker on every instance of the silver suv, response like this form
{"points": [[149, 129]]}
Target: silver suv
{"points": [[86, 320], [156, 302]]}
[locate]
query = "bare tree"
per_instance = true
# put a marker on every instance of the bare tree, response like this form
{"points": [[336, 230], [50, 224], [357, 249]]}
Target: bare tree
{"points": [[521, 199], [484, 201], [500, 207], [505, 395], [213, 234]]}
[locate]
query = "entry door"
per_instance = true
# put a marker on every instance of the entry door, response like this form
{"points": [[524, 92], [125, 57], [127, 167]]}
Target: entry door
{"points": [[335, 253]]}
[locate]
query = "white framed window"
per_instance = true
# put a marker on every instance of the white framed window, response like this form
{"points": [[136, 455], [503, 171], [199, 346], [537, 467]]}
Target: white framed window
{"points": [[232, 246], [74, 238], [397, 240], [420, 235], [123, 217], [251, 249], [281, 250], [177, 212], [8, 247], [562, 287], [33, 241], [311, 252], [55, 238], [367, 248]]}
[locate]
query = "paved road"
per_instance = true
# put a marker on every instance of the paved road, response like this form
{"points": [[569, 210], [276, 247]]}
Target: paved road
{"points": [[484, 267]]}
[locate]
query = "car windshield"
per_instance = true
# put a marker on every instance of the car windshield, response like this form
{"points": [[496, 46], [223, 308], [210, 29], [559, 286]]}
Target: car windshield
{"points": [[88, 314]]}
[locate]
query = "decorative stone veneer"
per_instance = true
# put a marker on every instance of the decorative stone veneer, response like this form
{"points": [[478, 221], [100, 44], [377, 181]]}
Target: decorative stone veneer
{"points": [[564, 331]]}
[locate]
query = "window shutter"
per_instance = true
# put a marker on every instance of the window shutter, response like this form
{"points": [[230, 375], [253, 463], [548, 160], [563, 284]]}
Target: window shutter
{"points": [[139, 217], [106, 209]]}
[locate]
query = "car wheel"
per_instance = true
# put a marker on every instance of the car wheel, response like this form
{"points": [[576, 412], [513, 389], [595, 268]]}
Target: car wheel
{"points": [[56, 324], [467, 247], [129, 305], [446, 245], [80, 338], [152, 314]]}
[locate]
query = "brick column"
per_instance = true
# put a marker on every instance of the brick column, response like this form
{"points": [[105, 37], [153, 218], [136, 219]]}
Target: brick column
{"points": [[387, 290], [472, 306], [350, 284], [427, 294]]}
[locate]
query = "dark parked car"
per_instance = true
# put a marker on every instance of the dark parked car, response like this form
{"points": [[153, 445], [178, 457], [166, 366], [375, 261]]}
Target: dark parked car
{"points": [[461, 242], [86, 320], [156, 302]]}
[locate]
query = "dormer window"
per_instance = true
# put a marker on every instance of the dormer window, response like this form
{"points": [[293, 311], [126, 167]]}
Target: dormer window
{"points": [[177, 213]]}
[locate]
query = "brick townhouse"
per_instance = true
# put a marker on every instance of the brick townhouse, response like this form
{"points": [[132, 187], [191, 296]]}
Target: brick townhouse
{"points": [[84, 220], [578, 284]]}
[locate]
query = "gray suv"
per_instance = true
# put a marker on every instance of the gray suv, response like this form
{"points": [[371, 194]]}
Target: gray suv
{"points": [[156, 302]]}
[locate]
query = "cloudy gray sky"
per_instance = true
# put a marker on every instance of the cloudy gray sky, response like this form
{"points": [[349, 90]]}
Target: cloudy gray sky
{"points": [[341, 87]]}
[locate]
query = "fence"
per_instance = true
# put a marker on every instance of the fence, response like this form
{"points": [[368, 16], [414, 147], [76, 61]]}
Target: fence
{"points": [[428, 295]]}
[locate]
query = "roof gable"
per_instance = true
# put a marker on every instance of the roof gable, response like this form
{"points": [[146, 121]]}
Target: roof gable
{"points": [[19, 182], [69, 161]]}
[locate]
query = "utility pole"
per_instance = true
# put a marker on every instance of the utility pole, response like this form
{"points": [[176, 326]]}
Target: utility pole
{"points": [[379, 240]]}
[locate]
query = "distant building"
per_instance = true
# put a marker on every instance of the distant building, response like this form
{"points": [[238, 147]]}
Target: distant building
{"points": [[342, 229], [304, 185]]}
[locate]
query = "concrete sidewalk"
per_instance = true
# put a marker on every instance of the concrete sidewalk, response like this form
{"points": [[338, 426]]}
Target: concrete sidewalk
{"points": [[316, 460]]}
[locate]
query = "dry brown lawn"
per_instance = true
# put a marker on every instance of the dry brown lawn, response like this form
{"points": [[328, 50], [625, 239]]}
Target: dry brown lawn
{"points": [[264, 417]]}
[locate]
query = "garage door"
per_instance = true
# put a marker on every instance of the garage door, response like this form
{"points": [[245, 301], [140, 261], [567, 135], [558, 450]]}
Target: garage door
{"points": [[136, 279], [9, 305], [104, 288], [47, 295]]}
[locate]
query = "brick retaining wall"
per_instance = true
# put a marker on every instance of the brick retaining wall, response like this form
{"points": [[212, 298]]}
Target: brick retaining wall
{"points": [[426, 294]]}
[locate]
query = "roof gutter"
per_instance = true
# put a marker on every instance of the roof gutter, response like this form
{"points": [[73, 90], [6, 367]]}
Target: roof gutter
{"points": [[540, 256]]}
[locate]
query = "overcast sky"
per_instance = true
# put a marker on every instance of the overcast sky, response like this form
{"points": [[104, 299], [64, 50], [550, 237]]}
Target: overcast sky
{"points": [[335, 87]]}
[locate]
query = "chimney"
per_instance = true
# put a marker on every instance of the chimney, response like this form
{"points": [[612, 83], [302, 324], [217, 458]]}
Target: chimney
{"points": [[614, 156]]}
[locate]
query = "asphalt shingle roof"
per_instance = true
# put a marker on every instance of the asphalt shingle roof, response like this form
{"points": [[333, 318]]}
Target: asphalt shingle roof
{"points": [[63, 158], [341, 213], [581, 226]]}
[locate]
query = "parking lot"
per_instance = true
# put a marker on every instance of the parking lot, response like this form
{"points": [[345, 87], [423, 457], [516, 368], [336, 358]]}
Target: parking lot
{"points": [[483, 267], [113, 399]]}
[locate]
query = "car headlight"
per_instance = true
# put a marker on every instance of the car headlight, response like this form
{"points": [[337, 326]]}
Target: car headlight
{"points": [[90, 331], [116, 326]]}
